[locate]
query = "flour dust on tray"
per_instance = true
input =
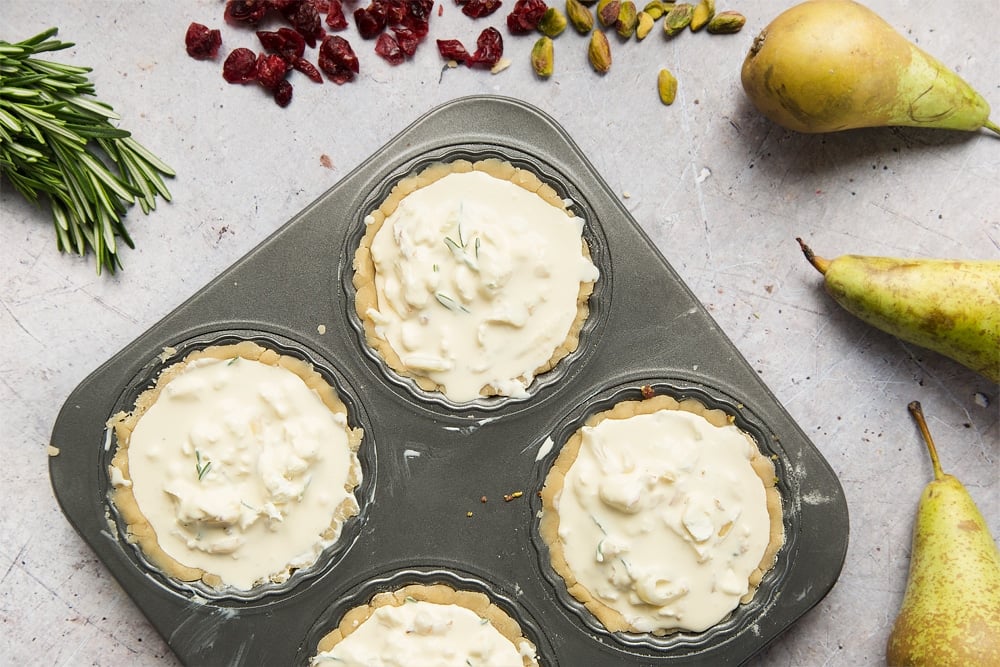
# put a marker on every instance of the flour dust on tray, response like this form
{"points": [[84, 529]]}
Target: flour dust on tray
{"points": [[661, 516], [473, 278], [426, 626], [237, 467]]}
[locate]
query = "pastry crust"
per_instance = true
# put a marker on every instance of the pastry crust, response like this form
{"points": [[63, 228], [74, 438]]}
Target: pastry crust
{"points": [[610, 618], [366, 297], [140, 531], [441, 594]]}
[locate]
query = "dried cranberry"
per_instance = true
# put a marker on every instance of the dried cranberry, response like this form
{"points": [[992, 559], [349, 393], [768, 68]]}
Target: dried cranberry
{"points": [[283, 93], [337, 59], [335, 16], [415, 26], [286, 42], [305, 19], [387, 47], [271, 69], [479, 8], [201, 42], [240, 66], [370, 20], [525, 16], [322, 6], [272, 41], [396, 12], [307, 68], [420, 9], [407, 40], [246, 11], [452, 49], [417, 19], [296, 42], [489, 48]]}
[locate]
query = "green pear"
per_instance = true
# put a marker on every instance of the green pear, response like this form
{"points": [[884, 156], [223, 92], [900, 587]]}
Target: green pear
{"points": [[949, 306], [950, 614], [829, 65]]}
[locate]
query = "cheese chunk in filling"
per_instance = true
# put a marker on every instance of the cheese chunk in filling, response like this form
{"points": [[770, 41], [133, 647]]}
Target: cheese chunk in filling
{"points": [[239, 469], [477, 282]]}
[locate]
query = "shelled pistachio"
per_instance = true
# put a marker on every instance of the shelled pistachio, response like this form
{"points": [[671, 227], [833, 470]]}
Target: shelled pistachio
{"points": [[599, 52], [580, 16], [607, 12], [677, 18], [657, 8], [627, 19], [553, 22], [726, 23], [702, 14], [644, 23], [666, 84], [543, 57]]}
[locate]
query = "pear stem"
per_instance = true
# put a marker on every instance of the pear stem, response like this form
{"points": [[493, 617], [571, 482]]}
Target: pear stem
{"points": [[819, 263], [918, 415], [990, 125]]}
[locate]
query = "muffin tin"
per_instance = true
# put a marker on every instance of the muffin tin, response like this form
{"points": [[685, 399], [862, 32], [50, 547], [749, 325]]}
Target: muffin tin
{"points": [[428, 462]]}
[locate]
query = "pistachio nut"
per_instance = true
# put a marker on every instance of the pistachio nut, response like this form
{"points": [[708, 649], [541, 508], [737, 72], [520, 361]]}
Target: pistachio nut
{"points": [[580, 16], [655, 9], [553, 22], [599, 52], [677, 18], [543, 56], [702, 14], [607, 12], [627, 19], [666, 84], [644, 23], [726, 23]]}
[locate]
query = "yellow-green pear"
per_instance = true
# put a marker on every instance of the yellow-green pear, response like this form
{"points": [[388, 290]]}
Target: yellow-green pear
{"points": [[949, 306], [829, 65], [950, 614]]}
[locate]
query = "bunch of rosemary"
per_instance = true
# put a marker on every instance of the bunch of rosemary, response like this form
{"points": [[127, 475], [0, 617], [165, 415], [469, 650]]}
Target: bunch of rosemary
{"points": [[57, 143]]}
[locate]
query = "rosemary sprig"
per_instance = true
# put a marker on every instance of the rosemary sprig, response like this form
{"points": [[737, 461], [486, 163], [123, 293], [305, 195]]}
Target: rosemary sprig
{"points": [[459, 252], [57, 145], [200, 467], [450, 303]]}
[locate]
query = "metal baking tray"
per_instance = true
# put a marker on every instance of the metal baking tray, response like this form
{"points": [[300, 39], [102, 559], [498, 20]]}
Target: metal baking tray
{"points": [[427, 463]]}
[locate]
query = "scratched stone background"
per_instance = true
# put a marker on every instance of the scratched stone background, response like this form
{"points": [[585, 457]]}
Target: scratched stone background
{"points": [[722, 192]]}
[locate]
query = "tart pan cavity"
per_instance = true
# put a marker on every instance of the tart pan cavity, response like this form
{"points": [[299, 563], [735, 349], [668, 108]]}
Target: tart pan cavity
{"points": [[456, 580], [148, 376], [748, 616], [576, 203], [422, 504]]}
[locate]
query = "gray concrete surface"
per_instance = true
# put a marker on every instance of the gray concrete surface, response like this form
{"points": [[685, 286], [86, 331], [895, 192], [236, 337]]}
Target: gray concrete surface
{"points": [[720, 190]]}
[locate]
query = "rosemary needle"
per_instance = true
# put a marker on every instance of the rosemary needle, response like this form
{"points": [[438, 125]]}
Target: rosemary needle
{"points": [[59, 147]]}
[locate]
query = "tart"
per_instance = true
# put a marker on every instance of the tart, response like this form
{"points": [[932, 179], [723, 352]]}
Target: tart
{"points": [[661, 516], [236, 468], [426, 626], [472, 279]]}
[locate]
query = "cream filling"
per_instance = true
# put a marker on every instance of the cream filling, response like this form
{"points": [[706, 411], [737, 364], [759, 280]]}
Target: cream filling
{"points": [[425, 634], [477, 282], [239, 468], [663, 519]]}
